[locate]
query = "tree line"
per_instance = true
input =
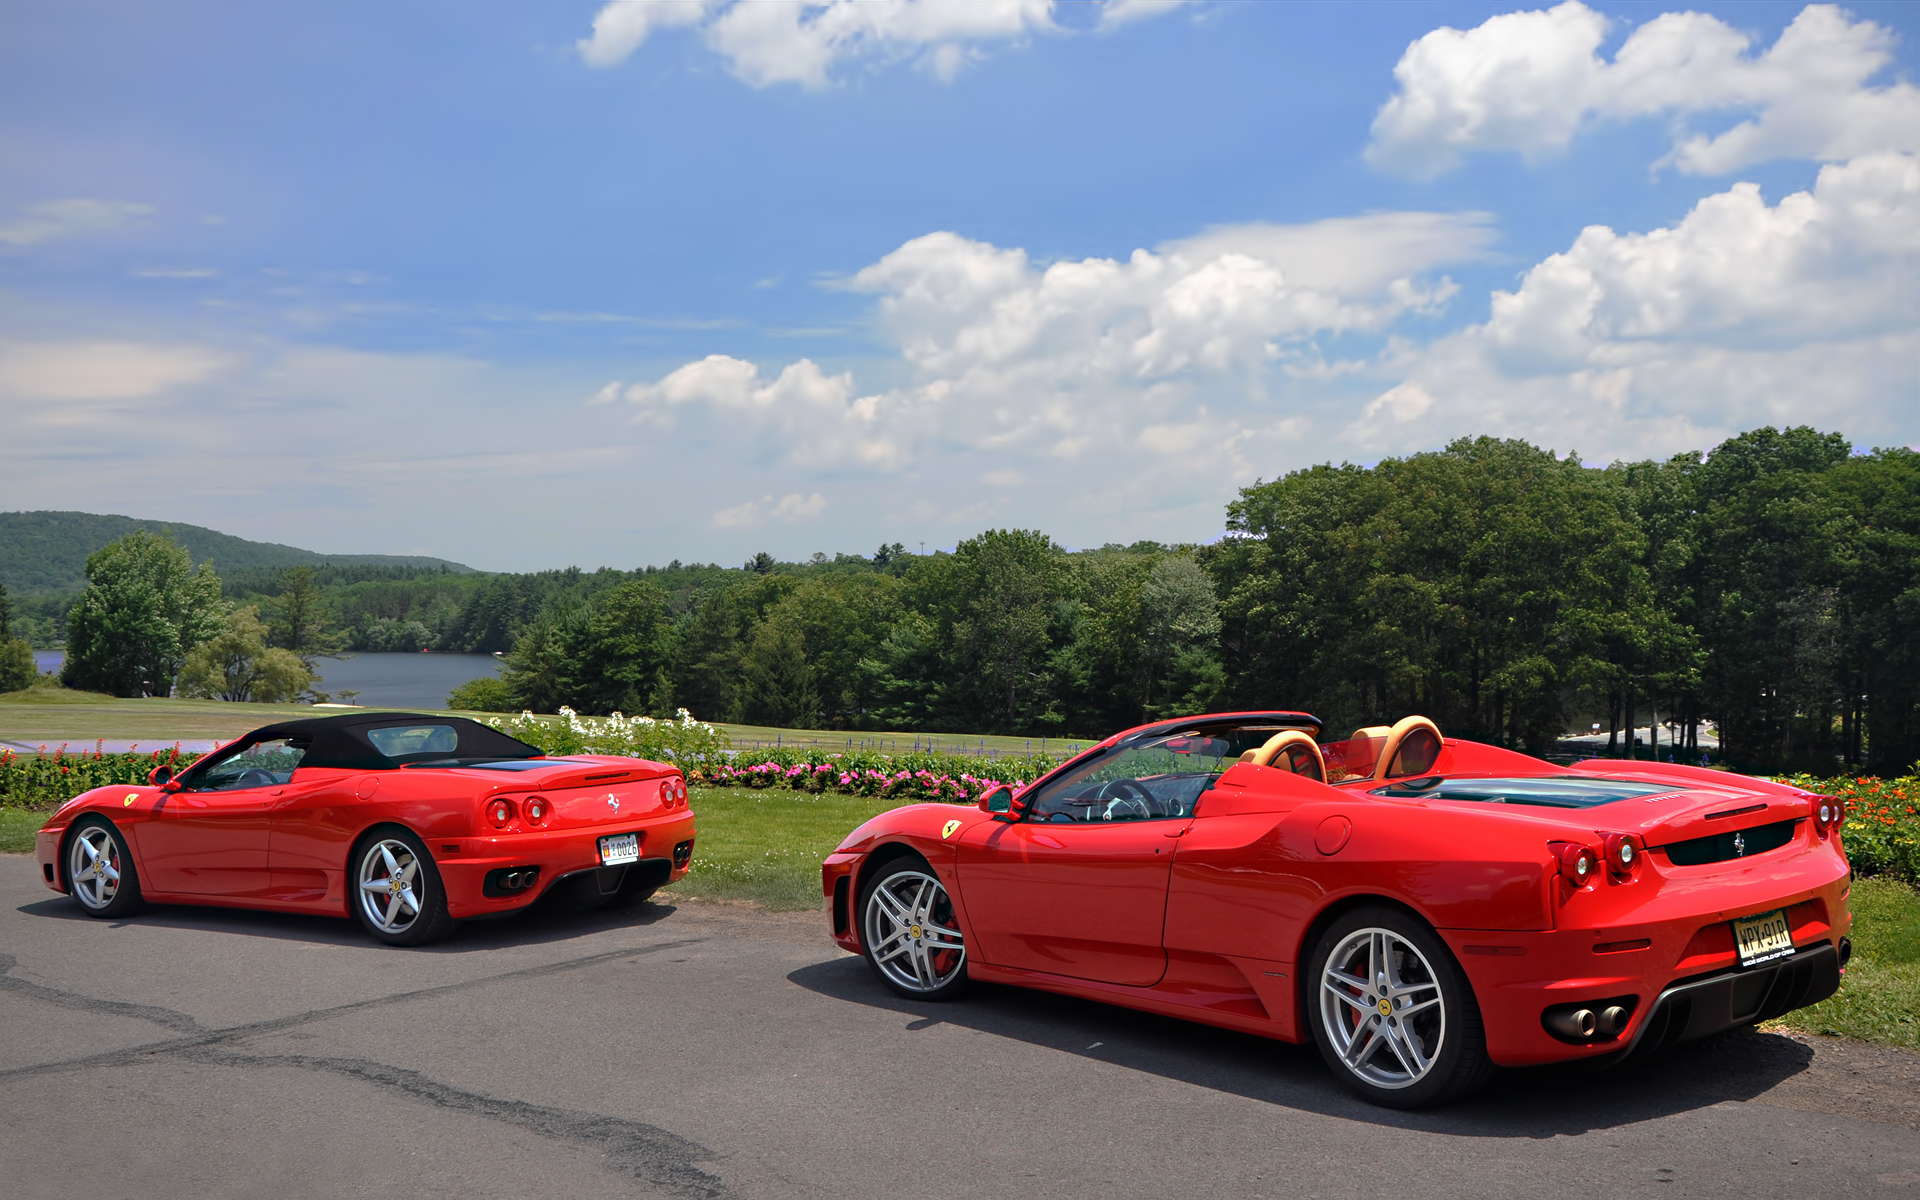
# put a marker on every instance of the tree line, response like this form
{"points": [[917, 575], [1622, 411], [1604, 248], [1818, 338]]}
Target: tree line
{"points": [[1769, 589]]}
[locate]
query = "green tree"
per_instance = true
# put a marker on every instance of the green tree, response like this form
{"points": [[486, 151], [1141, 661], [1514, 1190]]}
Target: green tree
{"points": [[298, 616], [601, 656], [144, 609], [237, 664], [17, 667], [488, 693]]}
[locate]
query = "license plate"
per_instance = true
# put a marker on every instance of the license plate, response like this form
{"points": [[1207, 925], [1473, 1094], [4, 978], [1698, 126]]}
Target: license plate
{"points": [[619, 848], [1763, 937]]}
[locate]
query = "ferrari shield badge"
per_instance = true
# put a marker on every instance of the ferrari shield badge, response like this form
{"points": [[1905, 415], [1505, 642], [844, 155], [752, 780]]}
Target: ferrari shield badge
{"points": [[947, 832], [131, 797]]}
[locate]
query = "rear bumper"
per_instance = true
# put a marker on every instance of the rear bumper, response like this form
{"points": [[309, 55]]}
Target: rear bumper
{"points": [[561, 856], [1694, 1008], [1679, 972]]}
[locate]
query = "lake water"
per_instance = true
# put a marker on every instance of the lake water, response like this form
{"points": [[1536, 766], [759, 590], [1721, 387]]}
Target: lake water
{"points": [[386, 680]]}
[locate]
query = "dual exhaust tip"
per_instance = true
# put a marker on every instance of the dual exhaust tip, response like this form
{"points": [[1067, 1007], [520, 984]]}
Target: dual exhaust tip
{"points": [[509, 881], [1599, 1021]]}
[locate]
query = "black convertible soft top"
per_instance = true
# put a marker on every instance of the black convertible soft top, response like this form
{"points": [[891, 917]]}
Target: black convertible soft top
{"points": [[341, 741]]}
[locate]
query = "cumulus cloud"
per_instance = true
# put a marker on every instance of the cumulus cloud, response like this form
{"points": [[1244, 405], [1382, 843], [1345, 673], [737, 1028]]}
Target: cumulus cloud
{"points": [[1740, 313], [1154, 353], [767, 42], [789, 509], [58, 219], [1529, 82]]}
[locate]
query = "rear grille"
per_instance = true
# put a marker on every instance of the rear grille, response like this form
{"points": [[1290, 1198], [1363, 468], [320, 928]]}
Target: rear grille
{"points": [[1721, 847]]}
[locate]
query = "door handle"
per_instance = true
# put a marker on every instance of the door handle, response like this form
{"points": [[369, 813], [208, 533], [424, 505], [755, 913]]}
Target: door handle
{"points": [[1178, 832]]}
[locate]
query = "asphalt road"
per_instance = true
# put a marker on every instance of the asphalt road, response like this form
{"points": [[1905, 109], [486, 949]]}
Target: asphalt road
{"points": [[708, 1051]]}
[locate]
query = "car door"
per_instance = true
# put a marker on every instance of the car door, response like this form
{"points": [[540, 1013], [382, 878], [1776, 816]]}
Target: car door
{"points": [[210, 837], [1078, 887]]}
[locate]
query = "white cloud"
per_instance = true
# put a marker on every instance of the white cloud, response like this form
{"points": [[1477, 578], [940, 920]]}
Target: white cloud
{"points": [[768, 42], [1739, 314], [620, 27], [1115, 13], [1011, 358], [71, 218], [101, 371], [1529, 82], [789, 509]]}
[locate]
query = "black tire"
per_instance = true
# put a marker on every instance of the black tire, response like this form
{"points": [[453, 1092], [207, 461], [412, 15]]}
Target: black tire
{"points": [[909, 933], [99, 868], [409, 912], [1383, 1036]]}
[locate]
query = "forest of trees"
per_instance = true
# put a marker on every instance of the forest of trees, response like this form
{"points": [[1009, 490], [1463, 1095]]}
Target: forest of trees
{"points": [[1770, 588]]}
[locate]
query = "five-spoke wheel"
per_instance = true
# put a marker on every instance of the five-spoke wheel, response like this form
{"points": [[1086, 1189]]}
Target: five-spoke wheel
{"points": [[909, 932], [1392, 1013], [397, 892], [100, 872]]}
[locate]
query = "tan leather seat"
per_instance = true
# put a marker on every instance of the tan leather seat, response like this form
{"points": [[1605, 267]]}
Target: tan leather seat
{"points": [[1412, 746], [1301, 754]]}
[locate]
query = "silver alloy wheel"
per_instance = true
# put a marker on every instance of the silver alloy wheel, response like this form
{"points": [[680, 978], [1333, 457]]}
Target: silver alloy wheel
{"points": [[93, 866], [911, 933], [392, 888], [1381, 1005]]}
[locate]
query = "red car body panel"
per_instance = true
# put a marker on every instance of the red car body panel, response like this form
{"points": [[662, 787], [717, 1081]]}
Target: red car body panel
{"points": [[285, 848], [1211, 918]]}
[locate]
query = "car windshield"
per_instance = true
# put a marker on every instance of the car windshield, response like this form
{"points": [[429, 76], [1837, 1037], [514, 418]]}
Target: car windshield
{"points": [[1160, 776], [1562, 791]]}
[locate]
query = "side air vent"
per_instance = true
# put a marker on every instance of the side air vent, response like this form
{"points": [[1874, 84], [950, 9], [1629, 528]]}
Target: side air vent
{"points": [[1722, 847]]}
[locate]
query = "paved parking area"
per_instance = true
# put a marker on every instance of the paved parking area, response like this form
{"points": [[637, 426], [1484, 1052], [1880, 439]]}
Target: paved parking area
{"points": [[709, 1051]]}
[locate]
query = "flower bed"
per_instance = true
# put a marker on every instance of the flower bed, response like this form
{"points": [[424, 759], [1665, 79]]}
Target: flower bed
{"points": [[707, 758], [1882, 829], [53, 776]]}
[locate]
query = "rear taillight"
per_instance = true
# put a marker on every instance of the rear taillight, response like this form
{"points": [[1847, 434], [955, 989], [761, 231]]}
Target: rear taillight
{"points": [[1577, 863], [673, 790], [1827, 813], [1622, 852], [537, 810], [500, 812]]}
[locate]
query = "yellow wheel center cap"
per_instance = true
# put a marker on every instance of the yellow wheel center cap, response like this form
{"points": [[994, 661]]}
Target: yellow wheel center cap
{"points": [[913, 931], [1386, 1007]]}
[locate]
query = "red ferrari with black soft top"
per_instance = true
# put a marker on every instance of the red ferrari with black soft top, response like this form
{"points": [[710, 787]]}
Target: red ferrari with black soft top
{"points": [[1423, 909], [406, 822]]}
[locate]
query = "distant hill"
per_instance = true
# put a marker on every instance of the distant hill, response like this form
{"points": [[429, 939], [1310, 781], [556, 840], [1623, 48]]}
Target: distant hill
{"points": [[47, 551]]}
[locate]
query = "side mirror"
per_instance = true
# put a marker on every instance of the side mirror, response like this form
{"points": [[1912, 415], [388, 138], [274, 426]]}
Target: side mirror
{"points": [[1004, 805], [159, 776]]}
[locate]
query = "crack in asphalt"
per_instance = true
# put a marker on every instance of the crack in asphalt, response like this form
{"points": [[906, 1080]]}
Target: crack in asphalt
{"points": [[657, 1157], [114, 1008]]}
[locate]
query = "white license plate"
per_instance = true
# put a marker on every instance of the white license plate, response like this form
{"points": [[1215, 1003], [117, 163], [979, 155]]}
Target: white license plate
{"points": [[619, 848], [1762, 937]]}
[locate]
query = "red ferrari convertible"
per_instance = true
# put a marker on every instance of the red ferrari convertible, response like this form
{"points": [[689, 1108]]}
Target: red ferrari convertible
{"points": [[407, 822], [1422, 908]]}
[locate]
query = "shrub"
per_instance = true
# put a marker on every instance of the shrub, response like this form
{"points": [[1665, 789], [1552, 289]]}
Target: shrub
{"points": [[18, 671], [1882, 829], [489, 693], [46, 780]]}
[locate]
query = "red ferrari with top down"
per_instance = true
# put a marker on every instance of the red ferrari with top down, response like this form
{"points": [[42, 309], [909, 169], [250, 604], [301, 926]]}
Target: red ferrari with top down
{"points": [[1423, 909], [408, 823]]}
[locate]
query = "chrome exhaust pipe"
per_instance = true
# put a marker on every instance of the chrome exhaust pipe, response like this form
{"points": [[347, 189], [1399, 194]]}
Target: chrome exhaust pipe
{"points": [[1613, 1020], [1846, 952], [1578, 1024]]}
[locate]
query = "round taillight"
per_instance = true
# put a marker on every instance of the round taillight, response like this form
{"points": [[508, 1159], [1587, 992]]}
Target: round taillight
{"points": [[1625, 853], [1583, 864], [1577, 863], [680, 789], [536, 810], [500, 812]]}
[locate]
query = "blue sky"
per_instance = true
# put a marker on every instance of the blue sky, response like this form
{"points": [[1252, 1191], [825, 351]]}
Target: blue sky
{"points": [[513, 285]]}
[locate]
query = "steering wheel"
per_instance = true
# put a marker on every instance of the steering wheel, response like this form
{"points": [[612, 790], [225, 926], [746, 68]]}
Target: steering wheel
{"points": [[254, 777], [1130, 801]]}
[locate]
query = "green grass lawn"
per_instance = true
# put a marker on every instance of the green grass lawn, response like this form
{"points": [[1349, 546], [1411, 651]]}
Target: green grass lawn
{"points": [[1879, 998], [766, 846], [55, 715], [17, 827]]}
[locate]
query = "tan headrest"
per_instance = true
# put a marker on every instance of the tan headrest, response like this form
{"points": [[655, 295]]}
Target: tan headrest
{"points": [[1280, 743], [1404, 728]]}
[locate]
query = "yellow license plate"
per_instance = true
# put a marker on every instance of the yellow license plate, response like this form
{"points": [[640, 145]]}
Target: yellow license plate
{"points": [[1762, 937]]}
